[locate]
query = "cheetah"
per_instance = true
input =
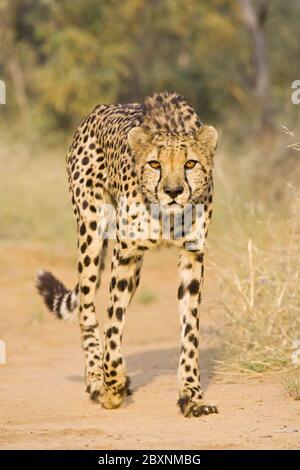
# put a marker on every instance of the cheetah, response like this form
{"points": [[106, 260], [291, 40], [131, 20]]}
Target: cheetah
{"points": [[133, 156]]}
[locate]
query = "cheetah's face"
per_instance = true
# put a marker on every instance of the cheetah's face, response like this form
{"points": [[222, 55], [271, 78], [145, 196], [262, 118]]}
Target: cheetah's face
{"points": [[173, 171]]}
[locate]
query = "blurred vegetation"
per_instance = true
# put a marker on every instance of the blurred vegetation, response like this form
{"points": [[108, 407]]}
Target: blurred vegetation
{"points": [[34, 194], [146, 296], [233, 59]]}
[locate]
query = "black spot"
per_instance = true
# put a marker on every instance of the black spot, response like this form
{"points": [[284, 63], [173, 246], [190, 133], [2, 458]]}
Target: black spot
{"points": [[86, 306], [122, 284], [199, 257], [109, 333], [85, 337], [93, 225], [83, 247], [190, 379], [117, 362], [188, 328], [112, 344], [113, 282], [194, 340], [85, 289], [180, 291], [82, 229], [110, 312], [119, 313], [194, 287], [87, 261]]}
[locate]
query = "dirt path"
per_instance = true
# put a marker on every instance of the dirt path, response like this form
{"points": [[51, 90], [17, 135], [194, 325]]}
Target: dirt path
{"points": [[42, 399]]}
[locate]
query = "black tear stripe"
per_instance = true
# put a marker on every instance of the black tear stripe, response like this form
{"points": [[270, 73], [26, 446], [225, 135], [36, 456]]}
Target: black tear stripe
{"points": [[159, 179], [187, 182], [156, 187]]}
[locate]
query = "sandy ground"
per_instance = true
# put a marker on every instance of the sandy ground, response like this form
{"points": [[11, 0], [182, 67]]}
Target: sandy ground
{"points": [[42, 400]]}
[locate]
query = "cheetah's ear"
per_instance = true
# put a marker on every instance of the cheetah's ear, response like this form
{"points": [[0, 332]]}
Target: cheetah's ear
{"points": [[138, 139], [207, 139]]}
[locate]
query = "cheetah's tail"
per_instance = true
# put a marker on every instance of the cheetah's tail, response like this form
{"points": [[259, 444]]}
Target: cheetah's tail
{"points": [[59, 300]]}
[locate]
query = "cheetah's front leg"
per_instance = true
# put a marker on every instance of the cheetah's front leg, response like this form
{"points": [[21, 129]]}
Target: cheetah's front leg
{"points": [[190, 401], [88, 273], [124, 281]]}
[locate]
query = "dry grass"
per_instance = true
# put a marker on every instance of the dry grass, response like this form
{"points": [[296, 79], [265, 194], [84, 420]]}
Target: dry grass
{"points": [[295, 141], [262, 309], [260, 298], [291, 384]]}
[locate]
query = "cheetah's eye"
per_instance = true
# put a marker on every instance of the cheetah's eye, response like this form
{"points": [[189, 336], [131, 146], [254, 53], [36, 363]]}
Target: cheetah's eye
{"points": [[154, 164], [190, 164]]}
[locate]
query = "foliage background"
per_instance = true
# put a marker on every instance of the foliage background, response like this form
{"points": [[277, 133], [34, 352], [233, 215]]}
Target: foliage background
{"points": [[59, 58]]}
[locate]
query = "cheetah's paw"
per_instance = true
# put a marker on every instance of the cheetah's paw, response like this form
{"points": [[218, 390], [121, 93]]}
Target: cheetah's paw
{"points": [[190, 407], [113, 398]]}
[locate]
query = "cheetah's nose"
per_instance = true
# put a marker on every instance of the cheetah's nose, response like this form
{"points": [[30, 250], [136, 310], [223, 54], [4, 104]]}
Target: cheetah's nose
{"points": [[174, 191]]}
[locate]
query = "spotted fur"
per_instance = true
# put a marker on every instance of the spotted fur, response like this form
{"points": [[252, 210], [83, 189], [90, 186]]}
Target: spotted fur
{"points": [[157, 152]]}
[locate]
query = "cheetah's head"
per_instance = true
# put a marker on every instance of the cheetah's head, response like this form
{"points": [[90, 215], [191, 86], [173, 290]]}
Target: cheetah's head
{"points": [[173, 170]]}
